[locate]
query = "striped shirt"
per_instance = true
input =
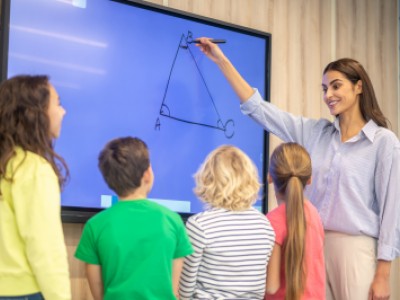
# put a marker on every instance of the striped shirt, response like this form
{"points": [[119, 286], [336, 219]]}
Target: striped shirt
{"points": [[231, 252], [356, 184]]}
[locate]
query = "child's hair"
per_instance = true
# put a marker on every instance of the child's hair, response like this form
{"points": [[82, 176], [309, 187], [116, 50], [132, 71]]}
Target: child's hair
{"points": [[24, 102], [122, 163], [290, 169], [227, 179]]}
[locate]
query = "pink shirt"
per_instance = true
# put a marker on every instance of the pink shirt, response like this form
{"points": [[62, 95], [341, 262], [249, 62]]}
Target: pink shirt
{"points": [[314, 257]]}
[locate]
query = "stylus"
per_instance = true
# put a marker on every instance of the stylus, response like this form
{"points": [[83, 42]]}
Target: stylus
{"points": [[215, 41]]}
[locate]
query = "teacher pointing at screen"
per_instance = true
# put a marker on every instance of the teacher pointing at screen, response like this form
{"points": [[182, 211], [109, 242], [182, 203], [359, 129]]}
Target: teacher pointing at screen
{"points": [[356, 173]]}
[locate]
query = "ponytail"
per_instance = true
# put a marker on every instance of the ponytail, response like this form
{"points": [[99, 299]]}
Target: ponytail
{"points": [[290, 169], [294, 249]]}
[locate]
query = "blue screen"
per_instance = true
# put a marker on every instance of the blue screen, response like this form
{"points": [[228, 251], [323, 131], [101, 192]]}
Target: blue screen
{"points": [[126, 70]]}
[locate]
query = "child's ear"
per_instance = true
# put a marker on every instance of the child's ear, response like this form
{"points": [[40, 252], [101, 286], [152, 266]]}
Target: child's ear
{"points": [[147, 175], [309, 181], [269, 178]]}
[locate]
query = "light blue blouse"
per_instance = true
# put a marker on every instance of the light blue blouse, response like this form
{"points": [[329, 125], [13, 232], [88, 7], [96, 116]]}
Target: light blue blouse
{"points": [[356, 184]]}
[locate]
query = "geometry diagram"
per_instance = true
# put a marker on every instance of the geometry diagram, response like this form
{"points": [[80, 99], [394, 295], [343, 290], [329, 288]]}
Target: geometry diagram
{"points": [[187, 97]]}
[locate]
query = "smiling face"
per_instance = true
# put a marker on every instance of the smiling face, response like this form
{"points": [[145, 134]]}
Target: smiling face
{"points": [[340, 94]]}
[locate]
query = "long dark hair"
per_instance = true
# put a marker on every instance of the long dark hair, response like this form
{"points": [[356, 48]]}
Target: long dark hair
{"points": [[290, 169], [24, 122], [354, 72]]}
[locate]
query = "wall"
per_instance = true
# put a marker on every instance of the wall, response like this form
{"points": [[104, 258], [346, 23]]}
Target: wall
{"points": [[306, 35]]}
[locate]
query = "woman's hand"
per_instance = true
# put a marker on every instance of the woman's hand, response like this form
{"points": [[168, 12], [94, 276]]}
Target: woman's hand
{"points": [[211, 50], [380, 286], [380, 289]]}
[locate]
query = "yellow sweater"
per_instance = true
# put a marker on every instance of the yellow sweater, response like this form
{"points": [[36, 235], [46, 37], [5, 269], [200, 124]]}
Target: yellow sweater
{"points": [[33, 255]]}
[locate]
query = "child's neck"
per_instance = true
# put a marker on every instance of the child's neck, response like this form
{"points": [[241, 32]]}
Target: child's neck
{"points": [[139, 194]]}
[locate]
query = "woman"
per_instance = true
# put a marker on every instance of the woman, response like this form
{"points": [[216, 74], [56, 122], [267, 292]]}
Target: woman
{"points": [[356, 171], [33, 256]]}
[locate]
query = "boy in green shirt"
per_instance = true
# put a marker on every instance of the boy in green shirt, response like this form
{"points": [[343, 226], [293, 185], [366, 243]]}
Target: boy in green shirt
{"points": [[134, 249]]}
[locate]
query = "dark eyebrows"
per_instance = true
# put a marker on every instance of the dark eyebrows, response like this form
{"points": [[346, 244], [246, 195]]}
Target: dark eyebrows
{"points": [[332, 82]]}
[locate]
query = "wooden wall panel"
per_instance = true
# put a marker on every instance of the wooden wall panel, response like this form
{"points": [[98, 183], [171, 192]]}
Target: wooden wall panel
{"points": [[390, 63], [367, 31], [311, 47], [79, 283], [306, 35]]}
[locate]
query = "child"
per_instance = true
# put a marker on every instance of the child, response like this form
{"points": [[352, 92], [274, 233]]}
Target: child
{"points": [[232, 240], [297, 265], [134, 249], [33, 256]]}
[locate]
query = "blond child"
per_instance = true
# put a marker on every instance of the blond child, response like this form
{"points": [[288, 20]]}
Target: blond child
{"points": [[232, 241]]}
